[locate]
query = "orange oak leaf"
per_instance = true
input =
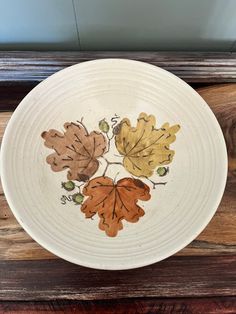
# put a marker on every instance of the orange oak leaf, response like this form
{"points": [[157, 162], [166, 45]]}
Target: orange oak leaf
{"points": [[114, 202], [75, 149]]}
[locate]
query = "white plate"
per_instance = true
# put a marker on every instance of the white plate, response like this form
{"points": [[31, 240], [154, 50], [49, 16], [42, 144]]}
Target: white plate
{"points": [[175, 213]]}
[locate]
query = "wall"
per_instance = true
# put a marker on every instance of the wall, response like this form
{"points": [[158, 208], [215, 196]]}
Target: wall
{"points": [[206, 25]]}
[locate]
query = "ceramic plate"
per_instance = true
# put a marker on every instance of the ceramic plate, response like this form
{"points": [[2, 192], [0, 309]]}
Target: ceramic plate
{"points": [[113, 164]]}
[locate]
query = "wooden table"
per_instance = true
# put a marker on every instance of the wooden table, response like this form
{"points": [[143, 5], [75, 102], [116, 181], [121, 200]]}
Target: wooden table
{"points": [[199, 279]]}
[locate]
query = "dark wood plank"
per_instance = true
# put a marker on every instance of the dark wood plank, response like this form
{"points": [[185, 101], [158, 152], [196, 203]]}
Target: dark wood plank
{"points": [[34, 66], [220, 305], [11, 96], [174, 277]]}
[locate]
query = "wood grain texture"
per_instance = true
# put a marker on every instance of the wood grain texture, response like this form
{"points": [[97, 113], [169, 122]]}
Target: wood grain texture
{"points": [[218, 238], [32, 66], [220, 305], [179, 276], [4, 118], [222, 100]]}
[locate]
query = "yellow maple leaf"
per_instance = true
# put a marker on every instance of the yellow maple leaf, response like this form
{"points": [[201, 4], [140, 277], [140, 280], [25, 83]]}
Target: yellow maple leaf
{"points": [[145, 147]]}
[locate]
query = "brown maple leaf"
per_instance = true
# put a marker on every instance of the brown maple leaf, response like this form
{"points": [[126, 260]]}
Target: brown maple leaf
{"points": [[75, 149], [114, 202]]}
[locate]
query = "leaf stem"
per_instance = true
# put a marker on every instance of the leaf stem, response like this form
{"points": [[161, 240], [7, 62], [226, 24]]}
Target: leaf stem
{"points": [[154, 184], [79, 186], [108, 142], [110, 163]]}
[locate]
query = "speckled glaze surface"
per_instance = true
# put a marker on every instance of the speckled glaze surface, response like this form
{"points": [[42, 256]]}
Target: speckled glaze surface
{"points": [[120, 111]]}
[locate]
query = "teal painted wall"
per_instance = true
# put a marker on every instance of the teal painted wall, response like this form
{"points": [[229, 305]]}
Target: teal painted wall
{"points": [[38, 24], [206, 25]]}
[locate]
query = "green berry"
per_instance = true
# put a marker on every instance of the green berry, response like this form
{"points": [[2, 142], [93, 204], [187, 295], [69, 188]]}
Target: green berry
{"points": [[78, 198], [104, 126], [162, 171], [69, 185]]}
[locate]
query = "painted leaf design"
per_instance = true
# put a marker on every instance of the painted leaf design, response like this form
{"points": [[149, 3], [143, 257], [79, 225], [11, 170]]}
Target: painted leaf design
{"points": [[76, 150], [114, 202], [145, 147]]}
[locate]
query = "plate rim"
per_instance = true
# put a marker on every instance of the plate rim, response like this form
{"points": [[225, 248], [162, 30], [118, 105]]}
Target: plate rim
{"points": [[136, 264]]}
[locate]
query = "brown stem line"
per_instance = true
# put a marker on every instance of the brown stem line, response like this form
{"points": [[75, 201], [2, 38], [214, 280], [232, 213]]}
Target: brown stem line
{"points": [[80, 186], [155, 183], [110, 163], [106, 197], [79, 141], [139, 151], [122, 201], [136, 142], [109, 142]]}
